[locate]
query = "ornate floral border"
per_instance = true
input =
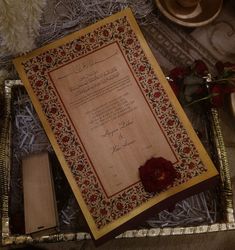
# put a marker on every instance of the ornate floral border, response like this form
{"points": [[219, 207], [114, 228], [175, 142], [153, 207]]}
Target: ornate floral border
{"points": [[38, 69]]}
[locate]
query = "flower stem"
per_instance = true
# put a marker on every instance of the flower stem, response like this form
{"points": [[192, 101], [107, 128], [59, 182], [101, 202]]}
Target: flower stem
{"points": [[202, 99]]}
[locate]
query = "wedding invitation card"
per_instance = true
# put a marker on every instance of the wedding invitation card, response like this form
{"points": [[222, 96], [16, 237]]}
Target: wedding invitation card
{"points": [[108, 110]]}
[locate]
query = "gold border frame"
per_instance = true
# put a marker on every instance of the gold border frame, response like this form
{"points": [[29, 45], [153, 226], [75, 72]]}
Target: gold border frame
{"points": [[5, 166]]}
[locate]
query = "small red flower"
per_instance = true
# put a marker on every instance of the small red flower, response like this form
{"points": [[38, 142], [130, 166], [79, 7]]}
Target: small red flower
{"points": [[141, 68], [65, 139], [170, 123], [149, 81], [48, 59], [191, 165], [35, 68], [78, 47], [46, 97], [119, 206], [133, 197], [92, 40], [80, 167], [86, 182], [200, 68], [63, 53], [53, 110], [59, 125], [186, 150], [177, 73], [157, 94], [72, 153], [105, 33], [103, 211], [157, 174], [129, 41], [93, 198], [39, 83], [120, 29]]}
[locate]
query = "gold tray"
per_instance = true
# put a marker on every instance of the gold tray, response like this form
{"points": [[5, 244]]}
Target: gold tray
{"points": [[7, 238]]}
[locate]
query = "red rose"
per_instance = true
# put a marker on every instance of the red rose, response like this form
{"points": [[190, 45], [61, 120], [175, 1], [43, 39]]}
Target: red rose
{"points": [[200, 68], [177, 73], [157, 174]]}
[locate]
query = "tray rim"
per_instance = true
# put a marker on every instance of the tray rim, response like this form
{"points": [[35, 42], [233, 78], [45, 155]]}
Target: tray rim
{"points": [[5, 166]]}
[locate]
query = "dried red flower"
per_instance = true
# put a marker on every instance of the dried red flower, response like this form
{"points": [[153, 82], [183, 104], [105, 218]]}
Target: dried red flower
{"points": [[178, 73], [200, 68], [157, 174]]}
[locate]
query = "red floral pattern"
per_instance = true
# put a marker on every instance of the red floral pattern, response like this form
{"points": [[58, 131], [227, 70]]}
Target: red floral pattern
{"points": [[103, 209]]}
